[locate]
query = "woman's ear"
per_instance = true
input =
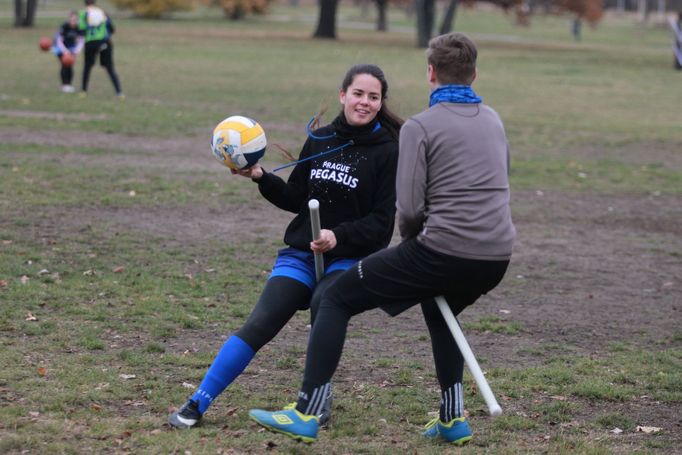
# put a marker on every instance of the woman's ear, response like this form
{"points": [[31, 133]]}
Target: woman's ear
{"points": [[342, 97]]}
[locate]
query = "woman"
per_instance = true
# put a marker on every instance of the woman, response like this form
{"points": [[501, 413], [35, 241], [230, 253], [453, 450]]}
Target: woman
{"points": [[349, 166], [67, 41]]}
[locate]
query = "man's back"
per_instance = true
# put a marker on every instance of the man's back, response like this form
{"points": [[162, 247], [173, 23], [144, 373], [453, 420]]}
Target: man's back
{"points": [[454, 164]]}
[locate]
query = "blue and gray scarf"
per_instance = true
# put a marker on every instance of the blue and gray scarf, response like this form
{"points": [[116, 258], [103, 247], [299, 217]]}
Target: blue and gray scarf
{"points": [[452, 93]]}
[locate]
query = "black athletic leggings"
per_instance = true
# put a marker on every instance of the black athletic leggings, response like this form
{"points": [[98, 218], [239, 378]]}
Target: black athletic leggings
{"points": [[105, 49], [280, 300], [407, 273], [66, 74]]}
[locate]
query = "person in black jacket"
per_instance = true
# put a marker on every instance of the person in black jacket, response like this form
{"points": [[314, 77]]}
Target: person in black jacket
{"points": [[67, 41], [349, 166]]}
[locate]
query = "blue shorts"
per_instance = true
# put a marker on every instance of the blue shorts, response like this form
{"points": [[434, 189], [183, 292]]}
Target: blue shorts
{"points": [[300, 265]]}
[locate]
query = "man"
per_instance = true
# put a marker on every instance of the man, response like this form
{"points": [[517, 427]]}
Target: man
{"points": [[457, 236], [97, 29]]}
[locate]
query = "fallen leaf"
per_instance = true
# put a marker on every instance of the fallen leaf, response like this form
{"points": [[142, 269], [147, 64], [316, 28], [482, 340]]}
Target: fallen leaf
{"points": [[95, 407], [131, 193], [30, 317], [187, 385], [43, 272], [647, 430], [6, 242], [127, 376], [505, 311], [34, 413], [24, 279], [616, 431], [41, 371], [3, 284], [89, 273], [118, 269], [558, 397]]}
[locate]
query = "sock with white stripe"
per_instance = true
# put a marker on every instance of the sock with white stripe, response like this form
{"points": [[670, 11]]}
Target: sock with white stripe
{"points": [[313, 403], [452, 403]]}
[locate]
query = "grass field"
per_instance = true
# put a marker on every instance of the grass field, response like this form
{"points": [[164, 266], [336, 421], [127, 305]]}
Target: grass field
{"points": [[127, 254]]}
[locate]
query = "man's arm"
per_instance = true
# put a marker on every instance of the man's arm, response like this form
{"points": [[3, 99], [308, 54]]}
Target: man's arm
{"points": [[411, 179]]}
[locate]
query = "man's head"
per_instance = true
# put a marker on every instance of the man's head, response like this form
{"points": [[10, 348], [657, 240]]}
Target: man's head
{"points": [[89, 2], [451, 59]]}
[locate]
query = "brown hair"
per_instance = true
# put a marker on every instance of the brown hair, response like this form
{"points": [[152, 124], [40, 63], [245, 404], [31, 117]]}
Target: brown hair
{"points": [[453, 56]]}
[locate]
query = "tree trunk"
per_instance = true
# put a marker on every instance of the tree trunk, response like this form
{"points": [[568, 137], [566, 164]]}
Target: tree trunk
{"points": [[24, 13], [326, 25], [382, 23], [31, 7], [449, 18], [18, 13], [425, 17]]}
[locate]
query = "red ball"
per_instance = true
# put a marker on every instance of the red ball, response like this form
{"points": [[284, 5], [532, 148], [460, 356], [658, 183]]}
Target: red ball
{"points": [[45, 44], [68, 59]]}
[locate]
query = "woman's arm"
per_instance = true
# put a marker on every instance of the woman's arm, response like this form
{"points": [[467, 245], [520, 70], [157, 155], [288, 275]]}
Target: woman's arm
{"points": [[287, 195]]}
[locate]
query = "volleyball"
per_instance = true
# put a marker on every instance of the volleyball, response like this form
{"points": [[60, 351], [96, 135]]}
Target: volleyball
{"points": [[238, 142]]}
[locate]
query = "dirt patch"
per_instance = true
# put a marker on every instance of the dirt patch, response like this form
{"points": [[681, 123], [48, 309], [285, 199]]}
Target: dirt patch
{"points": [[52, 115]]}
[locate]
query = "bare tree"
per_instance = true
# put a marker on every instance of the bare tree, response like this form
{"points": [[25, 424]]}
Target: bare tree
{"points": [[24, 12], [382, 22], [449, 17], [426, 14], [326, 25]]}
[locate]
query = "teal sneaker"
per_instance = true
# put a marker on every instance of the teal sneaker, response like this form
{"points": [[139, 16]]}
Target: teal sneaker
{"points": [[289, 422], [456, 431]]}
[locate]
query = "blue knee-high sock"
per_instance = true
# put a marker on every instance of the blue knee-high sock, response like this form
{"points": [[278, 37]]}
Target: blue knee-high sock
{"points": [[233, 357]]}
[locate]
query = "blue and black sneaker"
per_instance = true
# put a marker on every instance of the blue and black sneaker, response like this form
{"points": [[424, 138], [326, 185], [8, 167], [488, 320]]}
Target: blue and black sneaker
{"points": [[289, 422], [456, 431], [187, 416]]}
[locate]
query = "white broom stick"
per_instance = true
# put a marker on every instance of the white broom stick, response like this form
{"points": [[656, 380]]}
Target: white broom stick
{"points": [[493, 407], [314, 207]]}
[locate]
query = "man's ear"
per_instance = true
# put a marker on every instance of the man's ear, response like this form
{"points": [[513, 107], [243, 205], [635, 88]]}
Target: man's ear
{"points": [[473, 78], [431, 76]]}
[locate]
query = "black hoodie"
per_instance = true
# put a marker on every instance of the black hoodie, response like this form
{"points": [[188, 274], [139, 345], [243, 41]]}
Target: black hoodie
{"points": [[355, 187]]}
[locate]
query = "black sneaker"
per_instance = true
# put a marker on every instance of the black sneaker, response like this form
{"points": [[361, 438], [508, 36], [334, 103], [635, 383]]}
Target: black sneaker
{"points": [[326, 414], [187, 416]]}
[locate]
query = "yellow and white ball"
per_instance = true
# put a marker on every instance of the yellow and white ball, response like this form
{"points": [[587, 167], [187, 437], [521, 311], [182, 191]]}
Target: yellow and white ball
{"points": [[238, 142]]}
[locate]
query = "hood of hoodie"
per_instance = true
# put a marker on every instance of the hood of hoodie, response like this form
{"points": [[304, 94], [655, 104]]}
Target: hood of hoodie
{"points": [[371, 134]]}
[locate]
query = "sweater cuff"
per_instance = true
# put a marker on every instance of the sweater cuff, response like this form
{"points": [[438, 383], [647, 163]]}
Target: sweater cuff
{"points": [[263, 178], [340, 234]]}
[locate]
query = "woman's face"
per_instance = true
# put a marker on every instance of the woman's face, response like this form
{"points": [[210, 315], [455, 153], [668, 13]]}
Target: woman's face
{"points": [[361, 100]]}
